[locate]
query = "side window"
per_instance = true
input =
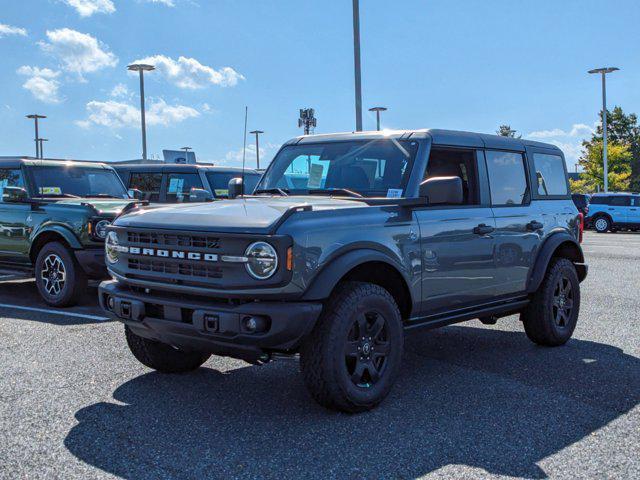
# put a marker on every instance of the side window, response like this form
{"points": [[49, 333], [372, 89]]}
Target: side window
{"points": [[550, 173], [10, 178], [451, 162], [620, 201], [636, 201], [179, 186], [599, 200], [148, 183], [507, 178]]}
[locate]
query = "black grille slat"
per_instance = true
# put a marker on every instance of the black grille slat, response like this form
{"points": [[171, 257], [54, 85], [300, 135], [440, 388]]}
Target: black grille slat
{"points": [[175, 268], [153, 239]]}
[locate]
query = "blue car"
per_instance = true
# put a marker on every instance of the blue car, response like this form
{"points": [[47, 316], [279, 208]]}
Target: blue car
{"points": [[609, 212]]}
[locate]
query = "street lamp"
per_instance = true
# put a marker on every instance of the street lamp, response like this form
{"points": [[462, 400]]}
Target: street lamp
{"points": [[378, 110], [603, 72], [356, 63], [186, 153], [141, 68], [35, 117], [41, 149], [257, 134]]}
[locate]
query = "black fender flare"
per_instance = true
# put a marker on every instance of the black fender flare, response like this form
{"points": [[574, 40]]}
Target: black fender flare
{"points": [[325, 281], [544, 257]]}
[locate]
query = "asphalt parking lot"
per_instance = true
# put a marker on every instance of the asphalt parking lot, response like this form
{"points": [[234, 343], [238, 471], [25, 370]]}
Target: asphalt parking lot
{"points": [[473, 401]]}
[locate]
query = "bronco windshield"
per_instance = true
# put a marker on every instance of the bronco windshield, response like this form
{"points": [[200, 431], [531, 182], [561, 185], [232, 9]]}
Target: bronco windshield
{"points": [[373, 168], [75, 181]]}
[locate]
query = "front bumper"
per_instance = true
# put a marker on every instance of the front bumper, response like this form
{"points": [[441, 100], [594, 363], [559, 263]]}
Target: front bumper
{"points": [[92, 262], [214, 327]]}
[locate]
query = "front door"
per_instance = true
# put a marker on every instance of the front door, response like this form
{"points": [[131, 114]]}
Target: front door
{"points": [[14, 231], [619, 208], [456, 240]]}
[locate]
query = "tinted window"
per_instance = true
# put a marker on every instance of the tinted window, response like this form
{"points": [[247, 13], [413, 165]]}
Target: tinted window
{"points": [[507, 178], [179, 186], [451, 162], [550, 173], [148, 183], [636, 201], [10, 178], [620, 201], [219, 182], [599, 200]]}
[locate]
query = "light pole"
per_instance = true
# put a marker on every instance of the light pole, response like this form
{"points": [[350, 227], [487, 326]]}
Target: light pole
{"points": [[35, 117], [141, 68], [257, 134], [603, 71], [378, 110], [356, 63], [186, 153], [41, 149]]}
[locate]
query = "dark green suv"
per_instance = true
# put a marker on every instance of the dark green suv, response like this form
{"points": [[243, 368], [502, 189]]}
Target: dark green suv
{"points": [[53, 219]]}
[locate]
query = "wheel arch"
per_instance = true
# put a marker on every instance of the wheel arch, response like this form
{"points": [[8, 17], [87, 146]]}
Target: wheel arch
{"points": [[53, 234], [367, 266], [559, 245]]}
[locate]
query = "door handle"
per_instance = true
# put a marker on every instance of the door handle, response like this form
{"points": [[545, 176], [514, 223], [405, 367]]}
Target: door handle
{"points": [[483, 229], [534, 225]]}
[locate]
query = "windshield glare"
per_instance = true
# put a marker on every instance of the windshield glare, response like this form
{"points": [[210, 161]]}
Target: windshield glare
{"points": [[376, 168], [54, 181]]}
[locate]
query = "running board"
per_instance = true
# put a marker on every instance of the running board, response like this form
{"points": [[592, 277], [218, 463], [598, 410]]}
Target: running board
{"points": [[8, 275], [435, 321]]}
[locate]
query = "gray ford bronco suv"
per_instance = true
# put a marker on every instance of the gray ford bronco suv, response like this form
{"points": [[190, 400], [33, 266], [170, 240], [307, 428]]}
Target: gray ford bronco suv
{"points": [[388, 233]]}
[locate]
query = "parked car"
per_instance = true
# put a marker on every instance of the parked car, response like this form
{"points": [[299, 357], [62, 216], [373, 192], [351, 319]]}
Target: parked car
{"points": [[174, 183], [390, 233], [53, 219], [581, 201], [609, 212]]}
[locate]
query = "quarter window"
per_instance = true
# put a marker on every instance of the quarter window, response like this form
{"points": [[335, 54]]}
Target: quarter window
{"points": [[179, 186], [10, 178], [148, 183], [507, 178], [620, 201], [550, 174]]}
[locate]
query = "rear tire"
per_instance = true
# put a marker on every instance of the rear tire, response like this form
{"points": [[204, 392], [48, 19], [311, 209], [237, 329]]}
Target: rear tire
{"points": [[352, 357], [59, 277], [551, 317], [162, 357], [602, 224]]}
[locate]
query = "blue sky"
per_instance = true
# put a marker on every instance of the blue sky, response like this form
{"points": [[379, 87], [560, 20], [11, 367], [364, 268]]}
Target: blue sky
{"points": [[468, 64]]}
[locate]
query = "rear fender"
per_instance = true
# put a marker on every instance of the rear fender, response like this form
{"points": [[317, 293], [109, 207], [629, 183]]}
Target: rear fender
{"points": [[570, 248]]}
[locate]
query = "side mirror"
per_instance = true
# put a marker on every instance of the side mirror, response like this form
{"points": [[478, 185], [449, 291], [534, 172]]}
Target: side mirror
{"points": [[14, 195], [200, 195], [442, 190], [135, 193], [236, 188]]}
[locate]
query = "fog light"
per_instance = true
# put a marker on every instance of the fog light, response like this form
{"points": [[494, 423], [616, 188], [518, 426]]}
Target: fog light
{"points": [[254, 324], [111, 303]]}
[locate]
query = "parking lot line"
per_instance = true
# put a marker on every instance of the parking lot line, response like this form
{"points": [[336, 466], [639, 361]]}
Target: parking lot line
{"points": [[55, 312]]}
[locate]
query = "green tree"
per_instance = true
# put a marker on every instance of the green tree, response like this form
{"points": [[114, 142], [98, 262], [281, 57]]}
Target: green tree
{"points": [[507, 131], [592, 176]]}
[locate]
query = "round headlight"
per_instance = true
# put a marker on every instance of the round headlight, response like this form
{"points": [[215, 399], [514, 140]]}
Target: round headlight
{"points": [[262, 260], [111, 247], [101, 228]]}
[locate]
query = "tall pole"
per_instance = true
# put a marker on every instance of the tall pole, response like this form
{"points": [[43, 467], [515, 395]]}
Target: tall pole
{"points": [[35, 117], [41, 145], [257, 134], [356, 63], [186, 153], [141, 68], [378, 110], [605, 169]]}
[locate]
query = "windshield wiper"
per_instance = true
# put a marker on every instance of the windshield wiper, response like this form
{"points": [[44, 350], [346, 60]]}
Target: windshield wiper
{"points": [[99, 195], [333, 191], [56, 195], [279, 191]]}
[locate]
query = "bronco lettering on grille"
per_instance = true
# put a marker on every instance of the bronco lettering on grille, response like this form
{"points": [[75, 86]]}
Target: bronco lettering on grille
{"points": [[178, 254]]}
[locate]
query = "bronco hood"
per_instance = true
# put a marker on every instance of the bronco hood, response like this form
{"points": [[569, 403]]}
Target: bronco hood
{"points": [[108, 207], [243, 215]]}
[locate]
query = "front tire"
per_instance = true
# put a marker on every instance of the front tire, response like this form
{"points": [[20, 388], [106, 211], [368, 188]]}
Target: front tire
{"points": [[551, 317], [162, 357], [602, 224], [59, 278], [352, 357]]}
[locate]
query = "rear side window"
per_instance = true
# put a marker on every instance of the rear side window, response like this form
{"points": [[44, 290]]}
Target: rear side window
{"points": [[507, 178], [635, 201], [599, 200], [620, 201], [550, 173], [10, 178], [179, 186], [148, 183]]}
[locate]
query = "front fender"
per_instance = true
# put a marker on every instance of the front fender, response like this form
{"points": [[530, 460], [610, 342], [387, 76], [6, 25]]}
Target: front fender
{"points": [[64, 232], [325, 281], [536, 275]]}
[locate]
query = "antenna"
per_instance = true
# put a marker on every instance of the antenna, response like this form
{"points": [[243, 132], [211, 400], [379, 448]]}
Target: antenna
{"points": [[244, 148]]}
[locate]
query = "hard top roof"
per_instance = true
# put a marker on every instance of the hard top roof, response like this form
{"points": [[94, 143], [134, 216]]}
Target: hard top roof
{"points": [[438, 137], [16, 162], [177, 167]]}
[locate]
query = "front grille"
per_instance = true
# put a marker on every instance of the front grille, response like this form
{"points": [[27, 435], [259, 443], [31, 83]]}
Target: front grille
{"points": [[173, 240], [175, 268]]}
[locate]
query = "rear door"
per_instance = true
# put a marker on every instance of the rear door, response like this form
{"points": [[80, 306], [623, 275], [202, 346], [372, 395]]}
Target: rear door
{"points": [[619, 206], [14, 218], [634, 212], [519, 223]]}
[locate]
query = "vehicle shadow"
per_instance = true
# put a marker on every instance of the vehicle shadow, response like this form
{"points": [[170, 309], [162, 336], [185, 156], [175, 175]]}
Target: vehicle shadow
{"points": [[471, 396], [24, 293]]}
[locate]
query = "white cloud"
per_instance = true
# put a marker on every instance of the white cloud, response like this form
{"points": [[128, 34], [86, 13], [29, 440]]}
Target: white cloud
{"points": [[41, 83], [120, 90], [190, 73], [6, 30], [86, 8], [79, 52], [113, 114], [577, 130], [168, 3], [569, 141]]}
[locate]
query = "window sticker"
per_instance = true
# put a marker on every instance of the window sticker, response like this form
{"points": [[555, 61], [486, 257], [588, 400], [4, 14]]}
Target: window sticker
{"points": [[175, 185], [394, 193], [221, 192], [50, 191], [315, 176]]}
